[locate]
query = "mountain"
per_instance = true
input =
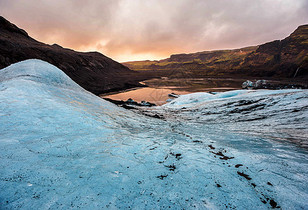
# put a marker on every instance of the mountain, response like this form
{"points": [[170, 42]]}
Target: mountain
{"points": [[281, 58], [286, 58], [92, 70]]}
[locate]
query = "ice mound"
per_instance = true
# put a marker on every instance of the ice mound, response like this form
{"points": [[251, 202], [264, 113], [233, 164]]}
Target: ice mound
{"points": [[38, 71], [190, 99], [65, 148], [195, 99], [279, 114]]}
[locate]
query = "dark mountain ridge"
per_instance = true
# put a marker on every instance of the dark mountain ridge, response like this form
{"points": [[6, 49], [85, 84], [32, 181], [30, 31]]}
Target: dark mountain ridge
{"points": [[287, 58], [91, 70]]}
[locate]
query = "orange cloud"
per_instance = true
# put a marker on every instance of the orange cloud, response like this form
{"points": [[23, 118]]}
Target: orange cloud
{"points": [[153, 29]]}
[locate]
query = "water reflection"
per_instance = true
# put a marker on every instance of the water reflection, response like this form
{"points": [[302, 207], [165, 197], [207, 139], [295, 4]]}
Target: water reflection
{"points": [[153, 95], [159, 88]]}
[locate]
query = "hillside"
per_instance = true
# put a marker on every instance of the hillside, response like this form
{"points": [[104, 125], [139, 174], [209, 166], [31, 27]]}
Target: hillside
{"points": [[281, 58], [92, 70]]}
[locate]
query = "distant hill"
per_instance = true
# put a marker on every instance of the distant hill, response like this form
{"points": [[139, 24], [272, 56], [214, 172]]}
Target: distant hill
{"points": [[281, 58], [91, 70]]}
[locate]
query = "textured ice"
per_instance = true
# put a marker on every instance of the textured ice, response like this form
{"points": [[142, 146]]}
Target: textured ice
{"points": [[279, 114], [63, 147], [196, 99]]}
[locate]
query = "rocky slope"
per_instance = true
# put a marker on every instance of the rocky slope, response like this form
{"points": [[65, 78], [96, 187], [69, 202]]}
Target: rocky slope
{"points": [[281, 58], [286, 58], [91, 70]]}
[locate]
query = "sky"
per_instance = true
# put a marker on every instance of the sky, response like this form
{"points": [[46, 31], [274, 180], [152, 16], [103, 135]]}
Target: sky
{"points": [[128, 30]]}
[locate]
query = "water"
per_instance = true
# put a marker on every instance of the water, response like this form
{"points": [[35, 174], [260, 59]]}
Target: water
{"points": [[158, 89], [157, 96]]}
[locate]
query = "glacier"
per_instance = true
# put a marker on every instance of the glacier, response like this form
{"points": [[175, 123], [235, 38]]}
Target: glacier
{"points": [[63, 147]]}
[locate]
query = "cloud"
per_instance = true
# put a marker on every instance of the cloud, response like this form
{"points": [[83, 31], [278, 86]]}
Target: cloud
{"points": [[138, 29]]}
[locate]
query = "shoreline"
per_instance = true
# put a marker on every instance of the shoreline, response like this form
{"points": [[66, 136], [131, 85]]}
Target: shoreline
{"points": [[168, 83]]}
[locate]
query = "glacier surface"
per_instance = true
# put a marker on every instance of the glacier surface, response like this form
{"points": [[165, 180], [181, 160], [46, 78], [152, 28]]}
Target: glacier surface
{"points": [[63, 147]]}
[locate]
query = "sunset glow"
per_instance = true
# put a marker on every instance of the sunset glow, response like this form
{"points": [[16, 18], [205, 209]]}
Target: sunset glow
{"points": [[127, 30]]}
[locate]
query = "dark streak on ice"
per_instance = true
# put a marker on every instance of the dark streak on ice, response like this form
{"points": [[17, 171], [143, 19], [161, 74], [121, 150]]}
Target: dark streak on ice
{"points": [[223, 157], [238, 165], [210, 146], [244, 175], [269, 183], [177, 155], [162, 176]]}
